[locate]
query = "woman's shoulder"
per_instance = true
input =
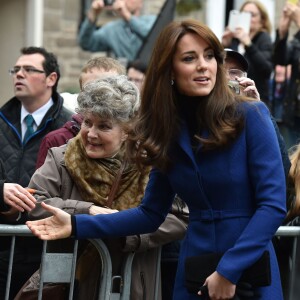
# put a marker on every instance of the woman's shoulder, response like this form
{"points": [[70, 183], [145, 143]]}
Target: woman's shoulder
{"points": [[262, 36], [58, 152], [253, 107]]}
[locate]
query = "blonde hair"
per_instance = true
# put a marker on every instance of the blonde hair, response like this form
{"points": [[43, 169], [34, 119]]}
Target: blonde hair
{"points": [[265, 20], [105, 63], [294, 178]]}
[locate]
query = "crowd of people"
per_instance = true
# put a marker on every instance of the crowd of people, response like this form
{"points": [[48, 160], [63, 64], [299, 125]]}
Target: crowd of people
{"points": [[199, 147]]}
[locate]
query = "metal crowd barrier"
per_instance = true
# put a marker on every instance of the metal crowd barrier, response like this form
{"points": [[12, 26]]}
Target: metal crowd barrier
{"points": [[60, 267], [52, 261], [294, 270]]}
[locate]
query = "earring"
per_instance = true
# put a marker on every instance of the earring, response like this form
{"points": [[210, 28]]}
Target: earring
{"points": [[172, 82]]}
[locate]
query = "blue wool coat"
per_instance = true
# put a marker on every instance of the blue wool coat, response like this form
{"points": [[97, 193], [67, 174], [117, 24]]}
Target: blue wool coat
{"points": [[236, 199]]}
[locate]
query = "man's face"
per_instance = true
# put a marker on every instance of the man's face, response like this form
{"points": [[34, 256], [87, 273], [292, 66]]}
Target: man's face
{"points": [[234, 69], [136, 76], [33, 84]]}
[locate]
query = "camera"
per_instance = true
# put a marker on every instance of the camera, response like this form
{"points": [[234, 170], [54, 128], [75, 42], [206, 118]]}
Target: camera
{"points": [[108, 2]]}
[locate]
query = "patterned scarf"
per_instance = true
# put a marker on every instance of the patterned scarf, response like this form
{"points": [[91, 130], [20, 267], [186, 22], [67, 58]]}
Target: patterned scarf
{"points": [[95, 177]]}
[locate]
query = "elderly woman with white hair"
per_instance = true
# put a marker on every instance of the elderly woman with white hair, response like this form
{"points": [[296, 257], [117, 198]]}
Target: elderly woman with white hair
{"points": [[90, 175]]}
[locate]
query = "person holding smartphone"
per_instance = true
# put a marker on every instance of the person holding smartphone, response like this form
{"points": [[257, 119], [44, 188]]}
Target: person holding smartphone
{"points": [[256, 46], [121, 38]]}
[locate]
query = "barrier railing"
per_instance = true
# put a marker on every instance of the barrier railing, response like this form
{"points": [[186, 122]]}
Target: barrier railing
{"points": [[293, 232], [60, 267], [106, 279]]}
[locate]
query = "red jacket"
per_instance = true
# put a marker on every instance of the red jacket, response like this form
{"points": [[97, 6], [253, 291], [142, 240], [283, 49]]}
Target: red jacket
{"points": [[58, 137]]}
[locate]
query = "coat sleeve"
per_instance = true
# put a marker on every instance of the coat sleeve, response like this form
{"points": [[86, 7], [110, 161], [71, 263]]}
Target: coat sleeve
{"points": [[91, 38], [259, 54], [267, 179], [51, 181], [149, 215], [142, 25]]}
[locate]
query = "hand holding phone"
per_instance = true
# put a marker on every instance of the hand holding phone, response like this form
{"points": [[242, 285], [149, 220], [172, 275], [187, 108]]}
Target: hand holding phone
{"points": [[239, 20]]}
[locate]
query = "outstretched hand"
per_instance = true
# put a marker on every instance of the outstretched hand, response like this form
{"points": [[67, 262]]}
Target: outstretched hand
{"points": [[55, 227]]}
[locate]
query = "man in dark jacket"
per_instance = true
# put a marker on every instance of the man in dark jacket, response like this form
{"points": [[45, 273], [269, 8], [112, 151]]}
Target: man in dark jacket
{"points": [[35, 78]]}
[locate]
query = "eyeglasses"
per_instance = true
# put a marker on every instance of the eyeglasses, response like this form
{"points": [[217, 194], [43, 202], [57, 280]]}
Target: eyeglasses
{"points": [[233, 73], [136, 80], [25, 69]]}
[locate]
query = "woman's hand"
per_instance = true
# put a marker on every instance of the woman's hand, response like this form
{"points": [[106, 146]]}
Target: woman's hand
{"points": [[242, 36], [227, 38], [285, 20], [56, 227], [295, 15], [97, 210], [219, 287], [18, 198]]}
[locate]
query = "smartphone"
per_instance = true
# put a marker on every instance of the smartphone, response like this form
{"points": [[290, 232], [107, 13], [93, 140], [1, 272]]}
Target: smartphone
{"points": [[239, 19]]}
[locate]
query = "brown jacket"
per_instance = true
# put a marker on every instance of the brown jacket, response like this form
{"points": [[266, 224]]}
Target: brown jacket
{"points": [[55, 187]]}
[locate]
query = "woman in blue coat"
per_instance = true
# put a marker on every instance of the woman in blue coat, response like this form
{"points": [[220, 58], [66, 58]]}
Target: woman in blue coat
{"points": [[216, 150]]}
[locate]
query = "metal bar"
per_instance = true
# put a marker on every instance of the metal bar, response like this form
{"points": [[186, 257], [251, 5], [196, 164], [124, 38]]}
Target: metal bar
{"points": [[125, 292], [40, 294], [157, 277], [71, 291], [17, 230], [105, 276], [291, 231], [292, 277], [10, 263]]}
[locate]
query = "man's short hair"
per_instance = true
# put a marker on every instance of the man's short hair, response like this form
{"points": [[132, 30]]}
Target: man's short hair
{"points": [[104, 63], [50, 63], [138, 64]]}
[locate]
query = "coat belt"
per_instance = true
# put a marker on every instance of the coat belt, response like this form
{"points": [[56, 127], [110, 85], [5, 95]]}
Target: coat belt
{"points": [[210, 214]]}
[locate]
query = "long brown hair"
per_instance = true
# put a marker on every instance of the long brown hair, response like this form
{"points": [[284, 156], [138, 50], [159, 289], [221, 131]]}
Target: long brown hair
{"points": [[159, 122]]}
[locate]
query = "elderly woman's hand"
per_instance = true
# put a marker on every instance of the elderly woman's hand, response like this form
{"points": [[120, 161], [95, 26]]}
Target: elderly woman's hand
{"points": [[58, 226], [18, 197], [97, 210]]}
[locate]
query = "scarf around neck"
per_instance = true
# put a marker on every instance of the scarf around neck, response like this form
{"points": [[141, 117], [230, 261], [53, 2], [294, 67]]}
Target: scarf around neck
{"points": [[95, 177]]}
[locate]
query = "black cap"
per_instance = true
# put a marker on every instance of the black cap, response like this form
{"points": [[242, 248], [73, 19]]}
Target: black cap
{"points": [[239, 57]]}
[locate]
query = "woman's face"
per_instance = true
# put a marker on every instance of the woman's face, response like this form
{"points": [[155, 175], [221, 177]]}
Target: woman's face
{"points": [[256, 22], [101, 137], [194, 66]]}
